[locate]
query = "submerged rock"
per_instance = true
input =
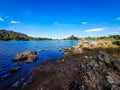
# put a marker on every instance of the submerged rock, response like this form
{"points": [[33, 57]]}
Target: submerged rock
{"points": [[60, 49], [14, 69]]}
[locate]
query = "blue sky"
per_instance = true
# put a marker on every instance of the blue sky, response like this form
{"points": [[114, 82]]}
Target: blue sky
{"points": [[61, 18]]}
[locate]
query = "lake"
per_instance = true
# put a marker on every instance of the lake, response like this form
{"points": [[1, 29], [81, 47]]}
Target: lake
{"points": [[9, 49]]}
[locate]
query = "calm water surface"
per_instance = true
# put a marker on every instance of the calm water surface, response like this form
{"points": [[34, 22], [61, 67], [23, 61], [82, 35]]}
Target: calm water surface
{"points": [[9, 49]]}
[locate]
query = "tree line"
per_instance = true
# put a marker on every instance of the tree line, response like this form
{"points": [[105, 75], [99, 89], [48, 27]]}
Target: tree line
{"points": [[6, 35], [111, 37]]}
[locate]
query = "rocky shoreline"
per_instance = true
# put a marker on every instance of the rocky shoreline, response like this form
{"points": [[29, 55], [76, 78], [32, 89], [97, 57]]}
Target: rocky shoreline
{"points": [[86, 66]]}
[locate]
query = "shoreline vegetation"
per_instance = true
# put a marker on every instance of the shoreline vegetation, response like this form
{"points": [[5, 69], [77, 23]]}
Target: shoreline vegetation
{"points": [[6, 35], [87, 66]]}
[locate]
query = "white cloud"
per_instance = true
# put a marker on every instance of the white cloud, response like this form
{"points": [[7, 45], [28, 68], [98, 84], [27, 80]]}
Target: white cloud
{"points": [[1, 19], [118, 18], [95, 30], [14, 22], [84, 22]]}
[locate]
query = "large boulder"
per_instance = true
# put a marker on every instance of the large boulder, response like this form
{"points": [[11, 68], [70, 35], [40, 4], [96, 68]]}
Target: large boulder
{"points": [[27, 55]]}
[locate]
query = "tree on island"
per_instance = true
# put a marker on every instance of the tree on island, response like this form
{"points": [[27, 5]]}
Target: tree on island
{"points": [[72, 37]]}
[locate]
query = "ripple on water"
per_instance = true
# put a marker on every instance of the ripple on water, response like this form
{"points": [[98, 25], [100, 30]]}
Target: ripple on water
{"points": [[4, 69], [5, 76]]}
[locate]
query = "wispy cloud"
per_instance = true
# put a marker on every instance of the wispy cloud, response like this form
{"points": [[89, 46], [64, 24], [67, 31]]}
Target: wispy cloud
{"points": [[118, 18], [94, 29], [84, 22], [1, 19], [14, 22]]}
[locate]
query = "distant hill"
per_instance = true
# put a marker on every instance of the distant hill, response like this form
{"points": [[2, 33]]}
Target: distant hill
{"points": [[72, 37], [11, 35], [6, 35]]}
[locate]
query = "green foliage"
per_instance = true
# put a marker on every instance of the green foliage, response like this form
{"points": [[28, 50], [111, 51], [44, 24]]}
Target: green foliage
{"points": [[117, 37], [111, 37], [91, 38], [72, 37], [11, 35], [38, 38]]}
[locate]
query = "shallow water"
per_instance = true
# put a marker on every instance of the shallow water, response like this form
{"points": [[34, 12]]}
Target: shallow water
{"points": [[9, 49]]}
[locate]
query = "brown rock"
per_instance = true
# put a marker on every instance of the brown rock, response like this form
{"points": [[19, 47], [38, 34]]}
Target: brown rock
{"points": [[27, 55], [31, 58]]}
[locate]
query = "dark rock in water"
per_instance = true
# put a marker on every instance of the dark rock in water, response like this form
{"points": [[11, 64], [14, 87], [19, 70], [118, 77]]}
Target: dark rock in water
{"points": [[60, 49], [14, 69], [27, 55]]}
